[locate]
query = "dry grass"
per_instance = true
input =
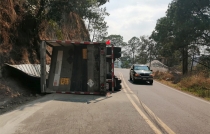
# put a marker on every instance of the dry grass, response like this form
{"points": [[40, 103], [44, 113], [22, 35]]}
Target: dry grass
{"points": [[169, 83], [73, 28], [6, 90], [196, 81], [7, 19], [197, 84], [163, 76]]}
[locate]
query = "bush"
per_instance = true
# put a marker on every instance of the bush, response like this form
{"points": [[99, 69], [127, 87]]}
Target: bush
{"points": [[198, 84], [196, 81], [163, 76]]}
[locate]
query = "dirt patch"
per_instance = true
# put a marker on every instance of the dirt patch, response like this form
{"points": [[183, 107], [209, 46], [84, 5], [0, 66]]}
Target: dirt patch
{"points": [[16, 89], [20, 34], [13, 95], [196, 84]]}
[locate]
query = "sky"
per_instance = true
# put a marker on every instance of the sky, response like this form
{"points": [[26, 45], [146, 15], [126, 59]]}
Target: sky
{"points": [[130, 18]]}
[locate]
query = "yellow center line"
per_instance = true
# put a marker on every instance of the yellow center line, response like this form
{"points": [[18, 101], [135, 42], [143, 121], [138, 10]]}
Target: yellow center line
{"points": [[167, 129], [152, 126]]}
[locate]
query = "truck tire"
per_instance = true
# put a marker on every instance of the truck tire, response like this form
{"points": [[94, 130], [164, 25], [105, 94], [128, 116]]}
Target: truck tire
{"points": [[117, 88], [130, 78], [151, 82], [118, 85]]}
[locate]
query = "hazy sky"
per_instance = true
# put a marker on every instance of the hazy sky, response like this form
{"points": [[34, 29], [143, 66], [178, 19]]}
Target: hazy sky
{"points": [[130, 18]]}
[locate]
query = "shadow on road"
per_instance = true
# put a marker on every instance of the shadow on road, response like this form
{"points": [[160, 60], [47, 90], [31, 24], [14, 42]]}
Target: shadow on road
{"points": [[140, 83], [79, 98], [31, 85], [85, 99]]}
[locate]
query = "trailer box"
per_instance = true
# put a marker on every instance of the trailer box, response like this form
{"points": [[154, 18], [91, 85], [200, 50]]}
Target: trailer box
{"points": [[76, 67]]}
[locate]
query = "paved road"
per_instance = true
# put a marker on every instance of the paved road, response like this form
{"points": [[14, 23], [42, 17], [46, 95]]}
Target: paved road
{"points": [[182, 113], [137, 109]]}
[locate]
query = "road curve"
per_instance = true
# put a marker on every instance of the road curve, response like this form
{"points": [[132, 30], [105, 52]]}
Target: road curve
{"points": [[181, 112], [137, 109], [75, 114]]}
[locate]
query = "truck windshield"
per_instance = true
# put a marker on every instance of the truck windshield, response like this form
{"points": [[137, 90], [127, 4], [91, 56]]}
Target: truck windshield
{"points": [[141, 68]]}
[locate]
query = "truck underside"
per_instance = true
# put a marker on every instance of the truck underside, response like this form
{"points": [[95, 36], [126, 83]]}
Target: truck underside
{"points": [[79, 67]]}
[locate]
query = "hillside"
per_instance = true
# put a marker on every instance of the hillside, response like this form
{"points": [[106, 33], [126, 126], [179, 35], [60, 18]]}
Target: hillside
{"points": [[20, 34]]}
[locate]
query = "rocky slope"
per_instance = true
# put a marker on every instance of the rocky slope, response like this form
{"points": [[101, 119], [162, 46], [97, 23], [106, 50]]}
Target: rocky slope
{"points": [[19, 44]]}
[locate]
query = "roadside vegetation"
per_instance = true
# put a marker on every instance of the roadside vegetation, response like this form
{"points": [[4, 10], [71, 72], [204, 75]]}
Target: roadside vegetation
{"points": [[24, 23], [181, 38], [197, 84], [180, 41]]}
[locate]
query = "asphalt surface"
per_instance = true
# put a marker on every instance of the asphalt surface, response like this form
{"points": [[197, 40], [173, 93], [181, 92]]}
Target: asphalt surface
{"points": [[181, 112], [137, 109]]}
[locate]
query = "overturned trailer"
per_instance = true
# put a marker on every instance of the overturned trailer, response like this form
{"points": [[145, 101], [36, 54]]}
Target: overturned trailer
{"points": [[78, 68]]}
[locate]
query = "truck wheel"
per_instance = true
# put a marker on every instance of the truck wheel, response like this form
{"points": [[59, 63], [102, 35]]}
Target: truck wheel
{"points": [[130, 78], [118, 87]]}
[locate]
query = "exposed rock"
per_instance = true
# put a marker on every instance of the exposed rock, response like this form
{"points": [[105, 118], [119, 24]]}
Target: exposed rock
{"points": [[168, 79], [156, 65]]}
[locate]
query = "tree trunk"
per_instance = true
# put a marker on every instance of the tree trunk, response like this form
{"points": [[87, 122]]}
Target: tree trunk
{"points": [[88, 25], [133, 57], [93, 35], [184, 61], [39, 15], [192, 61], [150, 58]]}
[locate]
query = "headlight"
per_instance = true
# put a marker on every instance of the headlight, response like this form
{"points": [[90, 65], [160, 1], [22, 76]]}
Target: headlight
{"points": [[151, 75], [137, 75]]}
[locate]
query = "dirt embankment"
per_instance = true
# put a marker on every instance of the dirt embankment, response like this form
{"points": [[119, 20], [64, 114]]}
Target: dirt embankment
{"points": [[17, 88], [19, 44]]}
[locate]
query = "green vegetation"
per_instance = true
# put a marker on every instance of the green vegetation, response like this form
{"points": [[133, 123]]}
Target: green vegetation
{"points": [[184, 29], [25, 22], [57, 29], [179, 36], [116, 40], [176, 39], [137, 50]]}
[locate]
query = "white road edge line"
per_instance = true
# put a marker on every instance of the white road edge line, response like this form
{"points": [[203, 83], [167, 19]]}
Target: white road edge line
{"points": [[167, 129], [152, 126], [184, 93]]}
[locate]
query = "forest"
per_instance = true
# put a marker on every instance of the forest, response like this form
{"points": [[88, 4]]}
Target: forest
{"points": [[180, 39]]}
